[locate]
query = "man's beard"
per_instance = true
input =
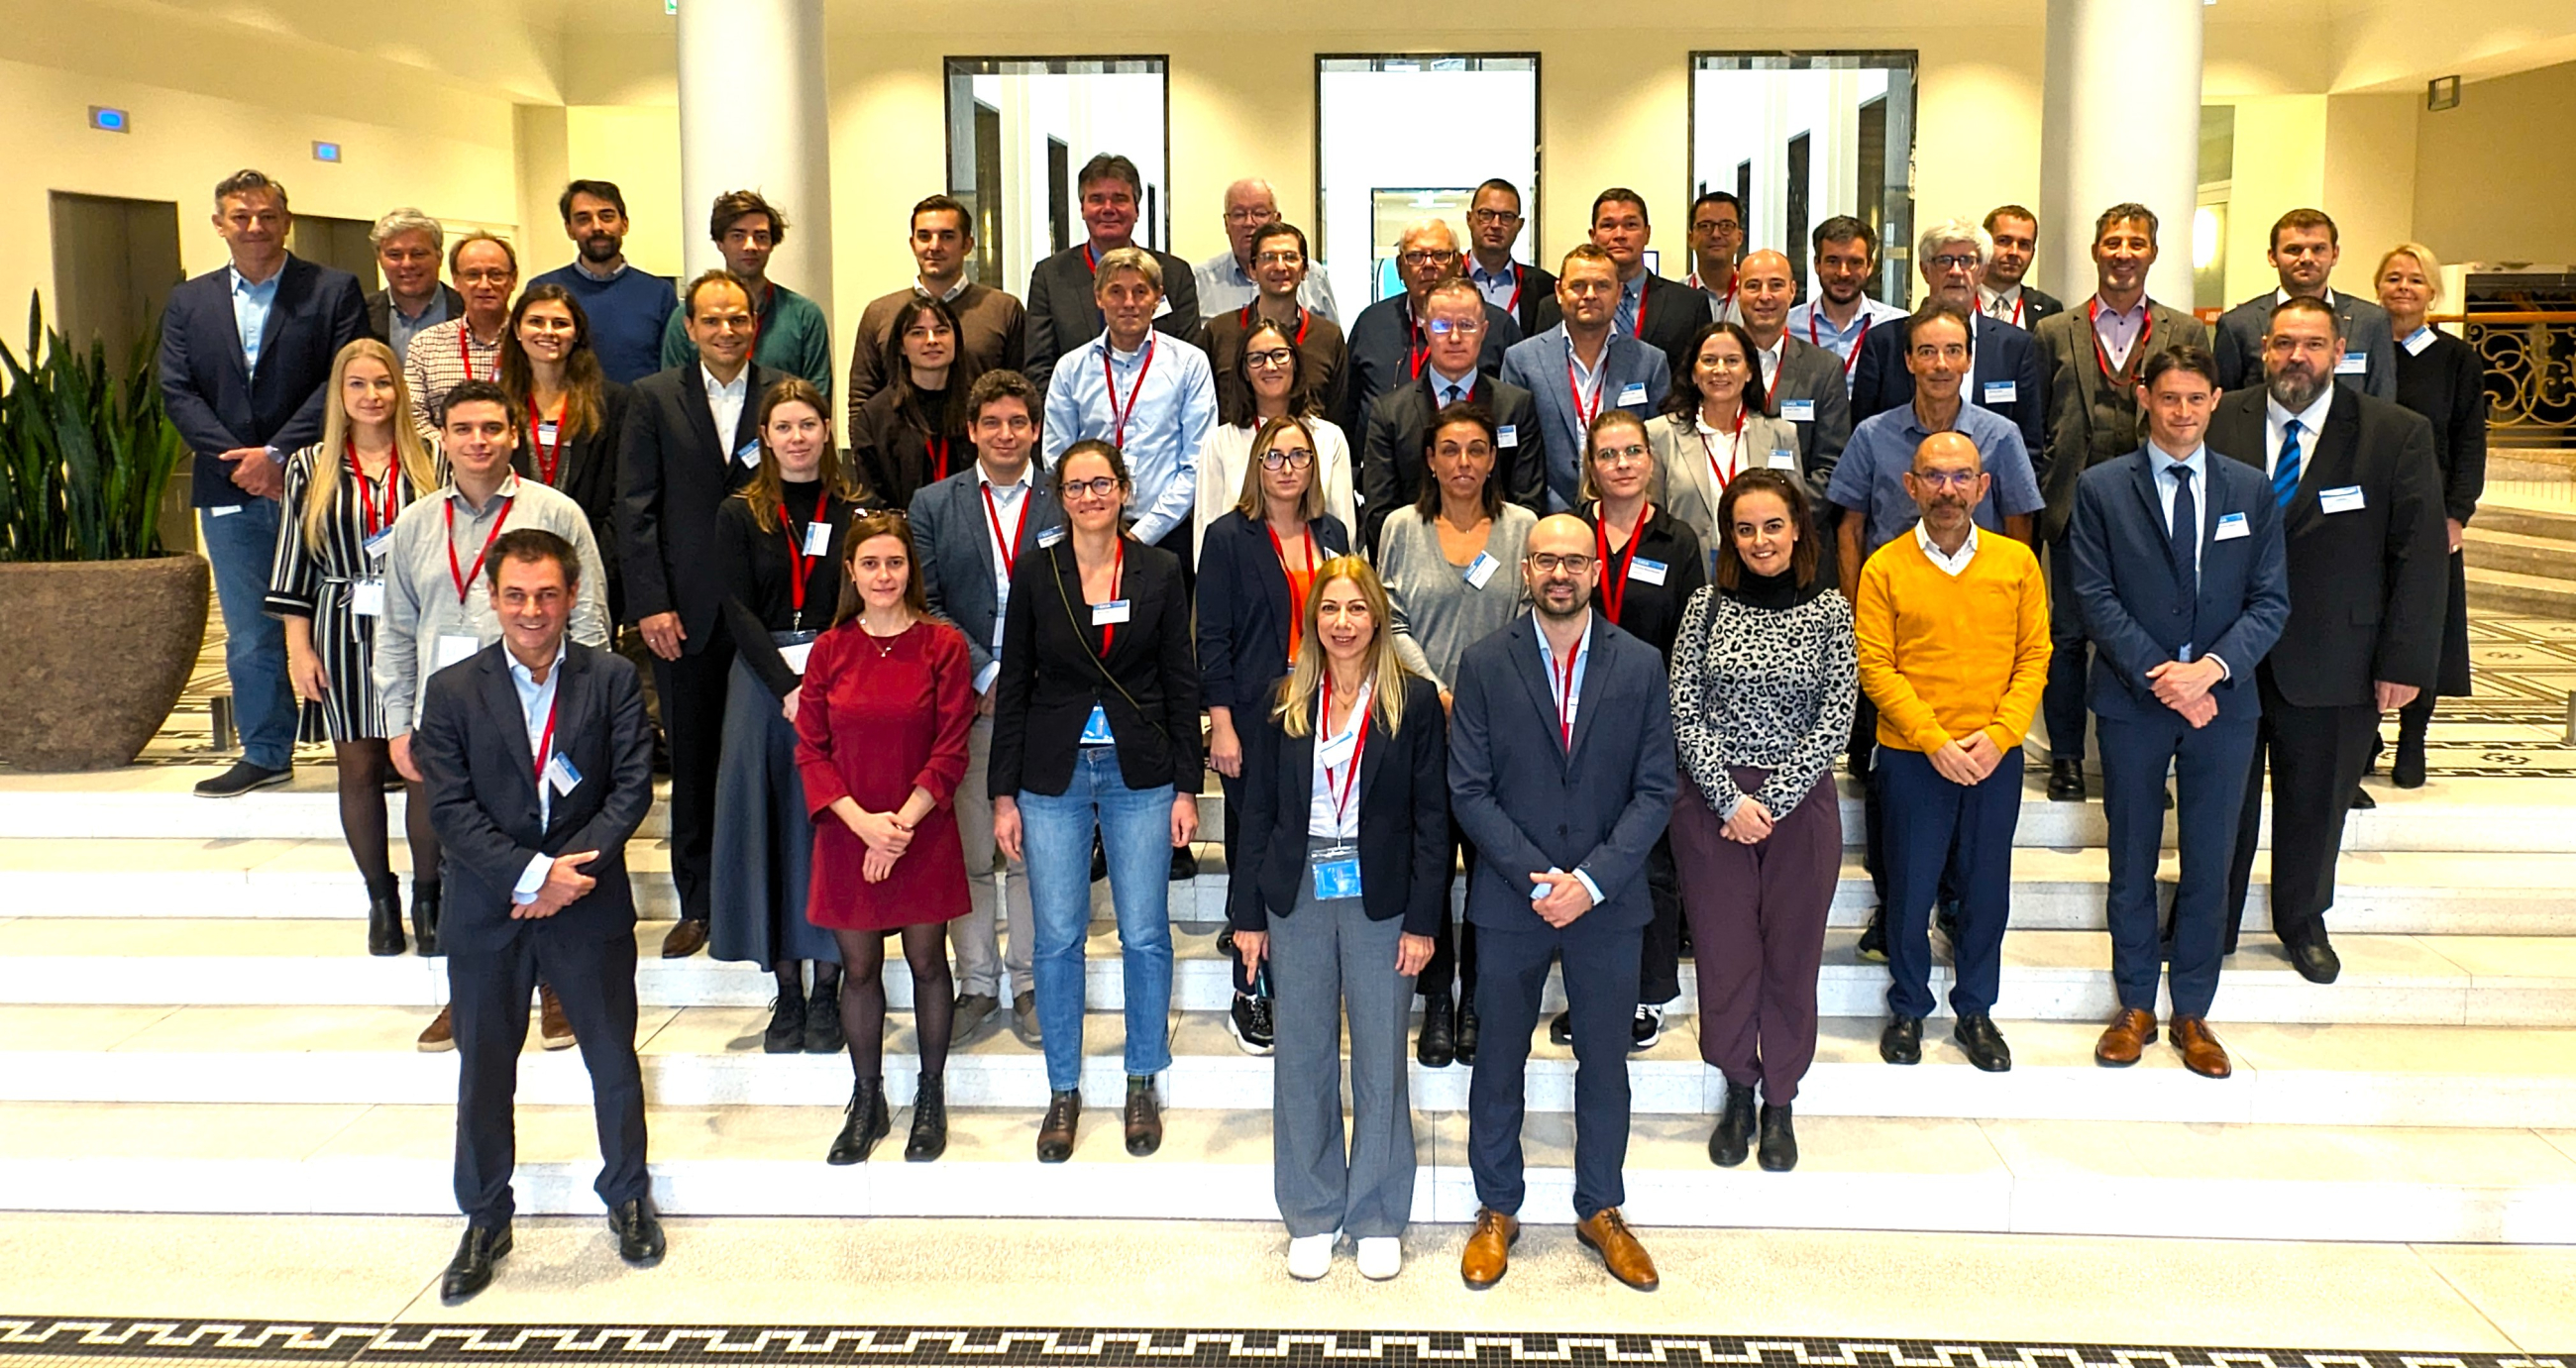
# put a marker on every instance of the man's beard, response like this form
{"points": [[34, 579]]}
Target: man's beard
{"points": [[2295, 391]]}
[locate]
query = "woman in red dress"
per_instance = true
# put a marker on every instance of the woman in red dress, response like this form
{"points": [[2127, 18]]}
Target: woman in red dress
{"points": [[881, 741]]}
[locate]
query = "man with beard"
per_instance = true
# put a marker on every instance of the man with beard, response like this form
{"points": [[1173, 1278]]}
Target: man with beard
{"points": [[2360, 499], [1839, 312], [628, 308], [2003, 294]]}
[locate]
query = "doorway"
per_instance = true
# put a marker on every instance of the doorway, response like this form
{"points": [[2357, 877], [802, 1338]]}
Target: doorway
{"points": [[337, 243]]}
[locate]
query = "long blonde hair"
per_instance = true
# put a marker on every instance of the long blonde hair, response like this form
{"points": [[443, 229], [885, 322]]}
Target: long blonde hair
{"points": [[322, 485], [1386, 673]]}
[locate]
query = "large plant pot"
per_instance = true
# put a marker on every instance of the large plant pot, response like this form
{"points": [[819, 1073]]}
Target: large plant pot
{"points": [[92, 656]]}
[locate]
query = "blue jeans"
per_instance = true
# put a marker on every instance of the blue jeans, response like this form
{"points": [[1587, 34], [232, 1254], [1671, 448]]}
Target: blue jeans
{"points": [[1136, 834], [241, 547]]}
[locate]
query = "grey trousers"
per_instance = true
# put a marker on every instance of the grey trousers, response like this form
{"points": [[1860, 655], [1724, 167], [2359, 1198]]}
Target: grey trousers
{"points": [[979, 955], [1326, 958]]}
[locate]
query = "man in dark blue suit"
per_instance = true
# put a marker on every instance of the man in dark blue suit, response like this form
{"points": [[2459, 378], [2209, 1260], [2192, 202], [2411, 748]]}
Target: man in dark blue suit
{"points": [[538, 767], [1561, 772], [2007, 377], [245, 355], [2179, 573]]}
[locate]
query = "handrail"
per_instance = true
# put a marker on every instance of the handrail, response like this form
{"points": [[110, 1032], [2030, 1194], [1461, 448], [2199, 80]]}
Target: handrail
{"points": [[2540, 317]]}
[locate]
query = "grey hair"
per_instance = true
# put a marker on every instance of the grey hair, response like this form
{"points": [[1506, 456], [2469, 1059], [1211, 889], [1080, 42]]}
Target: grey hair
{"points": [[1954, 230], [397, 222]]}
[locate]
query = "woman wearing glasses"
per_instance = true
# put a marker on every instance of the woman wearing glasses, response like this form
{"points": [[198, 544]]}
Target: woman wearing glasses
{"points": [[1269, 381], [1452, 569], [1712, 429], [1256, 568], [1097, 729]]}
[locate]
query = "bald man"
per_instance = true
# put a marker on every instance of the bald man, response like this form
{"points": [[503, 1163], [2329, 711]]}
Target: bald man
{"points": [[1226, 282], [1390, 341], [1802, 382]]}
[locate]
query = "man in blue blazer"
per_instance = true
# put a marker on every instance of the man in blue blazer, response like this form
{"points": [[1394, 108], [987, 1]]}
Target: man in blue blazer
{"points": [[246, 353], [1561, 771], [2007, 378], [1583, 366], [2181, 579], [538, 768]]}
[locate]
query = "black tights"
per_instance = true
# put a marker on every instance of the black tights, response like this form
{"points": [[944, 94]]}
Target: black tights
{"points": [[863, 996], [364, 767], [791, 978]]}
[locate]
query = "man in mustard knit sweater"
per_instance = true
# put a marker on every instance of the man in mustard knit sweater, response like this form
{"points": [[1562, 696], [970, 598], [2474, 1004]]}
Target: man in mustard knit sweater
{"points": [[1953, 627]]}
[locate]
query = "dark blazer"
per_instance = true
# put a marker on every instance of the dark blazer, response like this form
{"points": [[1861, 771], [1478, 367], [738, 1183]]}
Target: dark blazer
{"points": [[588, 476], [956, 557], [672, 474], [2448, 385], [2365, 331], [1380, 350], [2005, 355], [472, 747], [2093, 418], [1243, 609], [380, 310], [2037, 307], [1528, 807], [1051, 677], [1062, 313], [1675, 313], [1390, 454], [1812, 374], [2131, 599], [216, 404], [1538, 292], [1538, 364], [1403, 809], [2366, 587]]}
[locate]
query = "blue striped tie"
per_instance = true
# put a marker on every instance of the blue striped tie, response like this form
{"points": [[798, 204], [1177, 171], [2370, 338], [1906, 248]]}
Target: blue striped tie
{"points": [[2285, 472]]}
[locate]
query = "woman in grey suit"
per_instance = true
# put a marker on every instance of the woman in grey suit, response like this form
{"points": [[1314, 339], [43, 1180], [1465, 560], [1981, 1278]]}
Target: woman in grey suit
{"points": [[1713, 429]]}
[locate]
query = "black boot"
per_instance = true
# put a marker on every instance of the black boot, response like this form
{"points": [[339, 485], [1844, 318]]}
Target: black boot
{"points": [[786, 1033], [424, 917], [384, 917], [1733, 1138], [865, 1126], [2407, 770], [1436, 1047], [1779, 1140], [1464, 1037], [929, 1137]]}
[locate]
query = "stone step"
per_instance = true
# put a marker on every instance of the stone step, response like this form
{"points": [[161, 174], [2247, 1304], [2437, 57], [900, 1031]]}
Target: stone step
{"points": [[2505, 591], [2494, 548], [2556, 524]]}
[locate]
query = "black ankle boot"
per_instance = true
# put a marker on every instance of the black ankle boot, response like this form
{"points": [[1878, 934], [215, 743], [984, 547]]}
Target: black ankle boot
{"points": [[865, 1126], [2407, 770], [384, 917], [1437, 1044], [929, 1121], [1779, 1139], [424, 917], [1733, 1138]]}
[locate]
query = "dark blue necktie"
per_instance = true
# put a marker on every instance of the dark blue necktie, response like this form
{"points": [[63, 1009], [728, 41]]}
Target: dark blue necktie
{"points": [[2285, 472], [2184, 534], [1449, 394]]}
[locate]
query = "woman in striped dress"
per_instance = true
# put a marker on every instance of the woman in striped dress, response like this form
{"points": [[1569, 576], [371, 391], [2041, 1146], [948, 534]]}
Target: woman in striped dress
{"points": [[326, 584]]}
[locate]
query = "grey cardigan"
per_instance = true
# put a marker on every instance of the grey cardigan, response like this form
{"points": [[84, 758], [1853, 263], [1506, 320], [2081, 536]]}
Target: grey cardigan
{"points": [[1438, 615]]}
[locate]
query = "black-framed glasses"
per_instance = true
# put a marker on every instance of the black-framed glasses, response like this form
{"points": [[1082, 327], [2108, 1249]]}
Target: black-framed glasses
{"points": [[1269, 359], [1099, 487], [1287, 458]]}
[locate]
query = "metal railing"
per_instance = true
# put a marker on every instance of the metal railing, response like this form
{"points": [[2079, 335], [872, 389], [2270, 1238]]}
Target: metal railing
{"points": [[2530, 361]]}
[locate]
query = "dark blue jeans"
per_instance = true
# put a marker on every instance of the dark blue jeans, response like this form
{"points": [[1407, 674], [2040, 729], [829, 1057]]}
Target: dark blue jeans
{"points": [[241, 546]]}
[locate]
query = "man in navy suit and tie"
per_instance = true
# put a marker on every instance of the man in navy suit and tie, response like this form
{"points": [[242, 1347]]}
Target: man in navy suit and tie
{"points": [[1582, 368], [1561, 771], [245, 354], [2179, 575], [538, 767]]}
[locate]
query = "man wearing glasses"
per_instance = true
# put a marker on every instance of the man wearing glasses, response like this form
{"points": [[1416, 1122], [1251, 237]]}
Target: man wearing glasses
{"points": [[2004, 374], [1390, 342], [485, 271], [1458, 330], [1232, 278], [1716, 237], [1493, 225], [1281, 270]]}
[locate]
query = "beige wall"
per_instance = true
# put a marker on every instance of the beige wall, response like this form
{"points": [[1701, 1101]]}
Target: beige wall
{"points": [[2491, 177]]}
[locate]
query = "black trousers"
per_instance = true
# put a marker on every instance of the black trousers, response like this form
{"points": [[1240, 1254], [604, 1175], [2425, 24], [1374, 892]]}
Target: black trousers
{"points": [[1601, 992], [1453, 946], [2316, 755], [487, 993], [693, 707], [1659, 967], [2061, 703]]}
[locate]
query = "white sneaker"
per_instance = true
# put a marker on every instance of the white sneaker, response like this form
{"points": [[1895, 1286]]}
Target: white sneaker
{"points": [[1310, 1256], [1381, 1257]]}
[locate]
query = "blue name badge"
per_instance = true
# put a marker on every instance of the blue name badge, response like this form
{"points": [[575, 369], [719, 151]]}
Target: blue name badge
{"points": [[2230, 527], [1481, 569], [2353, 363], [1337, 872], [1050, 536], [1798, 410], [1095, 728], [2001, 392], [749, 454], [561, 774]]}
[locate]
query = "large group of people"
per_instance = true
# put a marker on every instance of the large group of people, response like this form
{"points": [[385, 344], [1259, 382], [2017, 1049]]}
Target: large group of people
{"points": [[1575, 583]]}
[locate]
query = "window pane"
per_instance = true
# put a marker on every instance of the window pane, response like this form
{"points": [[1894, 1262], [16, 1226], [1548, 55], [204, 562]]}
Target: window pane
{"points": [[1019, 130], [1371, 184], [1802, 137]]}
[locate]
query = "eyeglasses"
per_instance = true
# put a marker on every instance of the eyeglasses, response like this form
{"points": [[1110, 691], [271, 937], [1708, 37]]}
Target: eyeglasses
{"points": [[1548, 562], [1250, 215], [1287, 458], [1956, 262], [1493, 216], [1946, 479], [1425, 258], [1632, 454], [1280, 258], [487, 275], [1272, 359], [1102, 487], [1442, 327]]}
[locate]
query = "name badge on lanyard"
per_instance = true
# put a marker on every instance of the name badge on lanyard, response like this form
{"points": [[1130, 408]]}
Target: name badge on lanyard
{"points": [[454, 648], [818, 538], [2001, 392], [1798, 410], [1095, 728], [561, 775], [1651, 571], [367, 597], [1103, 614], [1337, 871]]}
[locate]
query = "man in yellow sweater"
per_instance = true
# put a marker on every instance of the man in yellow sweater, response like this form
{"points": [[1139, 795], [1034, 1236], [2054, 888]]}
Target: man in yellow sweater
{"points": [[1953, 627]]}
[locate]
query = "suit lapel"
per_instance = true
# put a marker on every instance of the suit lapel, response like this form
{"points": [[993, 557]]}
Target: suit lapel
{"points": [[1591, 676], [1533, 672], [501, 698], [290, 282], [702, 414], [2143, 479]]}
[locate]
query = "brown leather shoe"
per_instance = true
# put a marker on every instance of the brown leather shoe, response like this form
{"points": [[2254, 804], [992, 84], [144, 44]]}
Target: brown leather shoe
{"points": [[685, 939], [1489, 1250], [1144, 1117], [1055, 1133], [2201, 1052], [1607, 1234], [553, 1031], [2125, 1039], [440, 1037]]}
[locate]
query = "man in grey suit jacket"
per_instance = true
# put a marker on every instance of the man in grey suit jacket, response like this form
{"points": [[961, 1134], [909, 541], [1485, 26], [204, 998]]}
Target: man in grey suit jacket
{"points": [[2304, 250], [409, 245], [968, 533], [1062, 315], [1583, 367], [1803, 383]]}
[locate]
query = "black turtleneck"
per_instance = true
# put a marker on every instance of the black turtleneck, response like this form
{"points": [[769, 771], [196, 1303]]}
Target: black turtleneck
{"points": [[1774, 592]]}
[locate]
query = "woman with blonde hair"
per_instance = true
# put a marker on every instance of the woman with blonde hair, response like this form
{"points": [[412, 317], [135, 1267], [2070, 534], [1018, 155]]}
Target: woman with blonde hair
{"points": [[1342, 877], [327, 585]]}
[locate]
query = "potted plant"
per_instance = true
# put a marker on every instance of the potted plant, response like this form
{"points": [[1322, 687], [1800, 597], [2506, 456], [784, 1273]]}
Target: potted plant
{"points": [[99, 624]]}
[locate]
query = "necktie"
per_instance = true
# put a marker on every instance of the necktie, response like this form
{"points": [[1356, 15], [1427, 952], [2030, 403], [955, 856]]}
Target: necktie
{"points": [[2185, 532], [1449, 394], [2285, 472]]}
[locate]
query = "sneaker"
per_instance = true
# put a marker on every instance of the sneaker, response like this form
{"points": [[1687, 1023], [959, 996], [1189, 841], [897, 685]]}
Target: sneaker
{"points": [[1249, 1024], [823, 1023], [786, 1033], [1873, 937], [440, 1036], [243, 777], [1647, 1028], [973, 1013], [553, 1031], [1310, 1256], [1381, 1257]]}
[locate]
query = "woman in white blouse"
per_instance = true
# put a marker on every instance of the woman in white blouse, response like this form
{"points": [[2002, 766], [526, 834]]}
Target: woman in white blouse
{"points": [[1708, 434], [1270, 382]]}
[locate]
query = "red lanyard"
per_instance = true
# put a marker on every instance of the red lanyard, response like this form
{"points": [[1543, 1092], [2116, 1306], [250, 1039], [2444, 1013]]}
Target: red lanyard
{"points": [[1724, 304], [2137, 345], [1582, 416], [546, 744], [464, 347], [938, 448], [1243, 320], [548, 461], [768, 301], [1852, 358], [368, 516], [1562, 683], [1296, 595], [1117, 581], [1734, 457], [1512, 306], [1110, 378], [1770, 376], [1614, 568], [1639, 332], [1351, 774], [2015, 320], [796, 552], [1420, 347], [1090, 258], [1010, 545], [465, 578]]}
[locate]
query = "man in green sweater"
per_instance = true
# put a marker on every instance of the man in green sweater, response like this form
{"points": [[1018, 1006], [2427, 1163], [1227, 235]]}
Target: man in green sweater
{"points": [[793, 336]]}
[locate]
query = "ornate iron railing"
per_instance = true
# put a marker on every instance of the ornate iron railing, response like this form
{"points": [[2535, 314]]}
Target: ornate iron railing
{"points": [[2530, 360]]}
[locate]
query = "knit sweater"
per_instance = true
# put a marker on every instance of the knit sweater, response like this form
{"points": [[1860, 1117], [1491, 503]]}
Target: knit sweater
{"points": [[1762, 688], [1944, 656], [1438, 614], [627, 313]]}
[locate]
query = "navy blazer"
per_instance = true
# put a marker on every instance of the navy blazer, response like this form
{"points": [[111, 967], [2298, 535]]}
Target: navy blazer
{"points": [[673, 473], [216, 404], [480, 777], [1528, 807], [1378, 355], [2005, 355], [1629, 368], [1403, 808], [955, 552], [1243, 609], [2127, 590]]}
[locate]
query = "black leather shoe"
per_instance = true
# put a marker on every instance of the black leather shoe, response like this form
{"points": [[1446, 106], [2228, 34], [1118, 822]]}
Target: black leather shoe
{"points": [[424, 917], [2361, 799], [1185, 864], [243, 777], [639, 1232], [1733, 1138], [471, 1270], [823, 1034], [1873, 938], [1466, 1036], [1779, 1140], [2066, 781], [384, 919], [1985, 1047], [1560, 1031], [2315, 960], [1902, 1041], [1144, 1116], [1437, 1044], [2407, 770], [1055, 1133], [929, 1138], [863, 1125], [786, 1033]]}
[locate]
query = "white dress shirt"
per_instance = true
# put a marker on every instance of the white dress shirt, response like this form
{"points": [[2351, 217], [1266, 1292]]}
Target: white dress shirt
{"points": [[2167, 485], [537, 709], [727, 401], [2311, 419], [1341, 748], [1953, 566]]}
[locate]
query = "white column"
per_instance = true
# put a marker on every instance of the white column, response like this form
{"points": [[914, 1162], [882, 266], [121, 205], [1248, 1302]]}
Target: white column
{"points": [[2120, 121], [753, 116]]}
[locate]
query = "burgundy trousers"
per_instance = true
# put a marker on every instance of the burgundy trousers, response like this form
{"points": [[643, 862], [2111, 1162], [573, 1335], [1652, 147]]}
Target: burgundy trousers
{"points": [[1757, 919]]}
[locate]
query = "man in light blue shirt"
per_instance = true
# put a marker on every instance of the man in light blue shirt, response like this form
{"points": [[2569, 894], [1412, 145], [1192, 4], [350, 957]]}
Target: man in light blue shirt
{"points": [[1869, 481], [1225, 281], [1839, 312], [1149, 395]]}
